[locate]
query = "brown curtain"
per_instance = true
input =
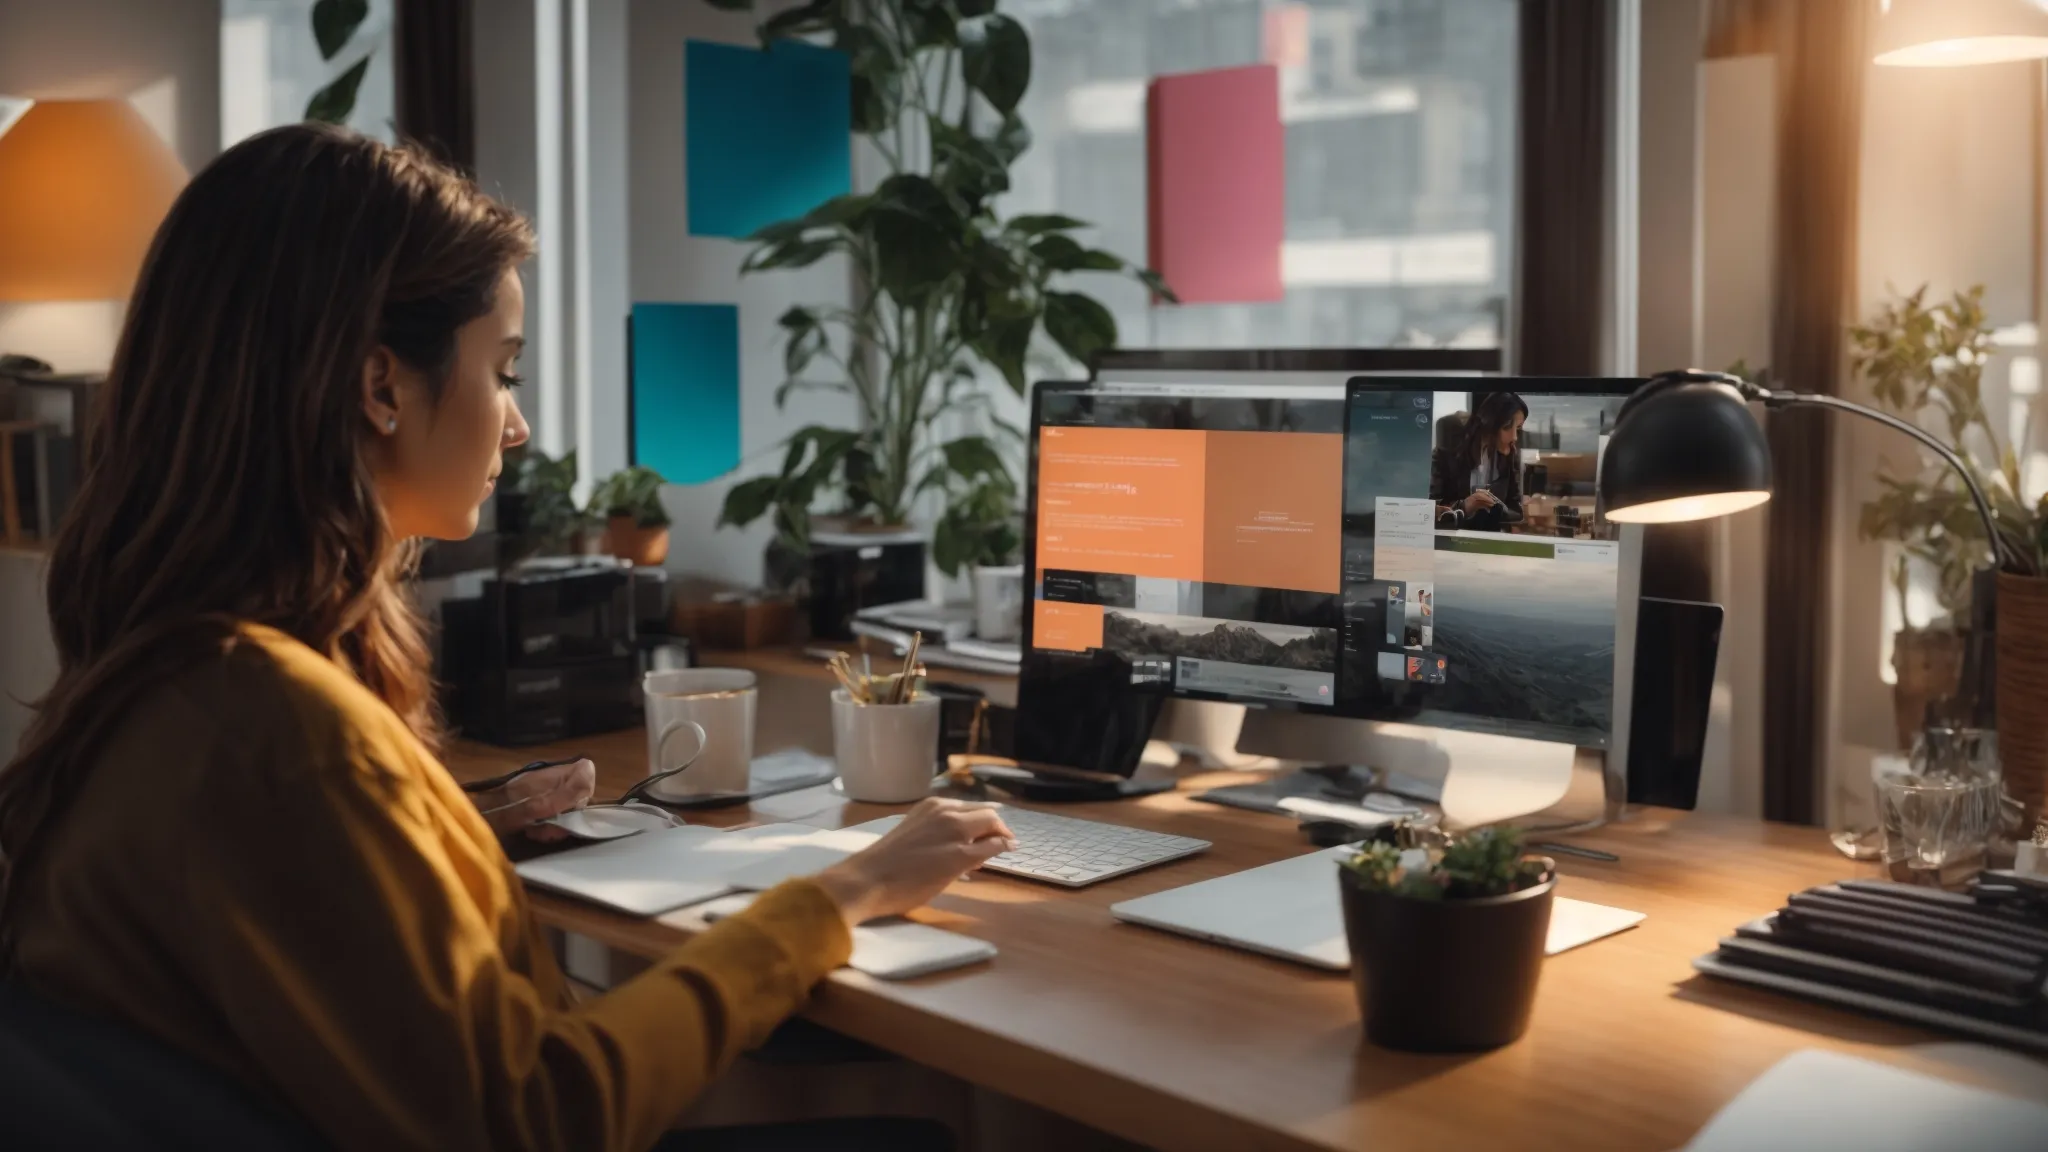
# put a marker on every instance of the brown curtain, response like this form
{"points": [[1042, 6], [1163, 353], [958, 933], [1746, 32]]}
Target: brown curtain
{"points": [[1567, 61], [1822, 55], [435, 78], [1567, 69]]}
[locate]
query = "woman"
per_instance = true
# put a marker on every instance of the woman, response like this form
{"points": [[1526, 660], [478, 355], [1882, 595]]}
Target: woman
{"points": [[1477, 481], [225, 828]]}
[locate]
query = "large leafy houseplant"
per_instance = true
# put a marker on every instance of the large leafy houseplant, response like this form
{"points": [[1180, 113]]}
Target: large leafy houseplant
{"points": [[334, 22], [1925, 364], [948, 286]]}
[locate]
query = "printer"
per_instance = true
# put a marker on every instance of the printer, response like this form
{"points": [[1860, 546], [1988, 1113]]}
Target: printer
{"points": [[550, 650]]}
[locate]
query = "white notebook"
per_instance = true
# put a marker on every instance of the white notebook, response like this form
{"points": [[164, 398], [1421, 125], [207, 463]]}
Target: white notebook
{"points": [[652, 872], [1820, 1099]]}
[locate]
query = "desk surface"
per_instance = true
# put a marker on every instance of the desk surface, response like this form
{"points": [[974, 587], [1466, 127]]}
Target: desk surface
{"points": [[1179, 1044]]}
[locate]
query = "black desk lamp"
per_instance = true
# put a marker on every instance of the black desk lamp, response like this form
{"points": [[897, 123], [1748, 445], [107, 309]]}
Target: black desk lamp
{"points": [[1685, 447]]}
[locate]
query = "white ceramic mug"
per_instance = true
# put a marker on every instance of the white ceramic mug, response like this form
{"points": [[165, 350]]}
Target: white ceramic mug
{"points": [[887, 753], [719, 700], [999, 602]]}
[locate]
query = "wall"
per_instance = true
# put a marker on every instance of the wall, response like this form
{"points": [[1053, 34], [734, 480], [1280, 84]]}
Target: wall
{"points": [[668, 264], [166, 55], [1737, 194], [163, 54]]}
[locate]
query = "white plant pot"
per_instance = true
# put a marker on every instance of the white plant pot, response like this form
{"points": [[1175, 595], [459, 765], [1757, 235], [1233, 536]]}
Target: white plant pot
{"points": [[999, 602]]}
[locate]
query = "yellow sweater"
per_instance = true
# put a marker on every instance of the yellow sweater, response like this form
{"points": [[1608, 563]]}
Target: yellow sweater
{"points": [[265, 869]]}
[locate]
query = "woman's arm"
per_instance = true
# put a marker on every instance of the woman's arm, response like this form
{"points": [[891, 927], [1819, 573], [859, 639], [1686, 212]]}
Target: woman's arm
{"points": [[354, 949]]}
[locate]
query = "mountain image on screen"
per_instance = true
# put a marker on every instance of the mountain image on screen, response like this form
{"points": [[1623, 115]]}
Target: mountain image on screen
{"points": [[1235, 642], [1514, 667]]}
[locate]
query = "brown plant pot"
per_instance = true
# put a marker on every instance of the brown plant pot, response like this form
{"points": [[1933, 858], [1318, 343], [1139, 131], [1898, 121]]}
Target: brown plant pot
{"points": [[1929, 663], [2022, 689], [645, 547], [1445, 975]]}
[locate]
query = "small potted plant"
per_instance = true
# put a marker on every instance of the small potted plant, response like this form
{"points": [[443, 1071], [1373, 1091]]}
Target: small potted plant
{"points": [[982, 532], [537, 511], [636, 525], [1447, 941]]}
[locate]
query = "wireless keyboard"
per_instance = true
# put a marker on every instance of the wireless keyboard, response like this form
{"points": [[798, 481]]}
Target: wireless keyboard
{"points": [[1069, 852]]}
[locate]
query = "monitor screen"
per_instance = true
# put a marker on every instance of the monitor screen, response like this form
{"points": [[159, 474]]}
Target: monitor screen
{"points": [[1385, 550]]}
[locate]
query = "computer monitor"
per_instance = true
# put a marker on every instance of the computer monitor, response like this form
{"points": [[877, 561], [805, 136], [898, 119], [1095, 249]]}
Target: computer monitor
{"points": [[1293, 548]]}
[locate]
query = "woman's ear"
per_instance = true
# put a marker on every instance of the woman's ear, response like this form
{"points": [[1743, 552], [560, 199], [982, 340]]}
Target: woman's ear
{"points": [[380, 390]]}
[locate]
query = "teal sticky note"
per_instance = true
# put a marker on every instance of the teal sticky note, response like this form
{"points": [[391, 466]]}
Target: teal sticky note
{"points": [[684, 400], [767, 134]]}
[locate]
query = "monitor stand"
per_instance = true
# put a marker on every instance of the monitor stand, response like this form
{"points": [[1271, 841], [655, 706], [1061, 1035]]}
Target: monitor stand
{"points": [[1338, 783], [1063, 786]]}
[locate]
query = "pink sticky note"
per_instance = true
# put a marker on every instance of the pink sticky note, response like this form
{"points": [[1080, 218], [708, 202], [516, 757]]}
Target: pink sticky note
{"points": [[1216, 184]]}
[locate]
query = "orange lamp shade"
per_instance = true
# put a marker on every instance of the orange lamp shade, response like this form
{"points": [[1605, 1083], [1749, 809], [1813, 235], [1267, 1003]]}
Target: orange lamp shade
{"points": [[83, 186]]}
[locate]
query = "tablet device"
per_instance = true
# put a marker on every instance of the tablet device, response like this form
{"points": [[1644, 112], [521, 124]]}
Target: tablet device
{"points": [[891, 949]]}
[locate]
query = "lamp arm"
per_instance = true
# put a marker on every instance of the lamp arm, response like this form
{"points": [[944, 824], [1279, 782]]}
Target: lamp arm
{"points": [[1772, 399]]}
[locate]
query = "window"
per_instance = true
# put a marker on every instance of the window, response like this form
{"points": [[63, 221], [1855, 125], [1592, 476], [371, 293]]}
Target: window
{"points": [[270, 67], [1399, 120]]}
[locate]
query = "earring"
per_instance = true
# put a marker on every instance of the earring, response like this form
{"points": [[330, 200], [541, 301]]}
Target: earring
{"points": [[391, 424]]}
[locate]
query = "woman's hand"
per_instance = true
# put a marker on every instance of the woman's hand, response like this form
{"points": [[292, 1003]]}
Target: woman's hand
{"points": [[934, 844], [1479, 500], [537, 795]]}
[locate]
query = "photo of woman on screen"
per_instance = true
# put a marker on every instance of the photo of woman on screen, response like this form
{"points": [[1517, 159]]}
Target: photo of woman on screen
{"points": [[1476, 480]]}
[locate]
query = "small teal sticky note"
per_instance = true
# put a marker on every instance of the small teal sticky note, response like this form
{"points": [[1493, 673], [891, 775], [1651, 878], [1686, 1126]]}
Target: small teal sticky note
{"points": [[685, 393], [767, 134]]}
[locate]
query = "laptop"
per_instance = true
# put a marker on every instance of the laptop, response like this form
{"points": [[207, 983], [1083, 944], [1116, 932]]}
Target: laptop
{"points": [[1291, 910]]}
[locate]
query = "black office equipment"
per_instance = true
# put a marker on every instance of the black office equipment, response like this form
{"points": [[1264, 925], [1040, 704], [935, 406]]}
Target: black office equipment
{"points": [[543, 654], [1962, 963], [1677, 644]]}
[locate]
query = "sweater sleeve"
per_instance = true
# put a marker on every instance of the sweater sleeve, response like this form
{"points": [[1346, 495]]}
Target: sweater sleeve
{"points": [[353, 958]]}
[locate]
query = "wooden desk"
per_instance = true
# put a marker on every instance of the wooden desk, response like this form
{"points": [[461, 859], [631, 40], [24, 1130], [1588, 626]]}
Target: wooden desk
{"points": [[1179, 1044]]}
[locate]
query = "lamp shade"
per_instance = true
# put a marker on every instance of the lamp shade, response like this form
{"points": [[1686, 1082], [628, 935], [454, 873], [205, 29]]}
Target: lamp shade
{"points": [[1684, 452], [1956, 33], [83, 186]]}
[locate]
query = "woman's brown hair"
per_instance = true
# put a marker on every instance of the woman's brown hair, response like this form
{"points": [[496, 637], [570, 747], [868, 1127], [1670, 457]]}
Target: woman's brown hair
{"points": [[227, 480]]}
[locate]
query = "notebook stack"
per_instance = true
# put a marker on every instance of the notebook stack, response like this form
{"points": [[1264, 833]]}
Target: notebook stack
{"points": [[1968, 963]]}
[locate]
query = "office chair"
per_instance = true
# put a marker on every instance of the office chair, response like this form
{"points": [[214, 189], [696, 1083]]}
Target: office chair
{"points": [[69, 1080]]}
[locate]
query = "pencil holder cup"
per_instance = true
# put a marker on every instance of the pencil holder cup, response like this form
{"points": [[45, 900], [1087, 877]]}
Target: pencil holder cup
{"points": [[887, 753]]}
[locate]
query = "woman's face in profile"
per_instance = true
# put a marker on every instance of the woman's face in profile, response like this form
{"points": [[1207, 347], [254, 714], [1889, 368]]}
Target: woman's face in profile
{"points": [[1504, 443], [435, 470]]}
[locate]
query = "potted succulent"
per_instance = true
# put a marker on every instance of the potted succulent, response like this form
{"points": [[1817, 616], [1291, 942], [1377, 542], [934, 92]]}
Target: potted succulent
{"points": [[982, 533], [950, 293], [1447, 942], [636, 525]]}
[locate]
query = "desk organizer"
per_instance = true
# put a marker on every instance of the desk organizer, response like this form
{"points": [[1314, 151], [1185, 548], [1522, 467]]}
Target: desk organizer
{"points": [[1970, 964]]}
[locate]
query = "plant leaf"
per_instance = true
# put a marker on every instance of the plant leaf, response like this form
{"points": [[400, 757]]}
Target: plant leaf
{"points": [[1032, 225], [971, 457], [972, 8], [915, 228], [332, 104], [965, 164], [816, 16], [995, 58], [798, 253], [1005, 344], [932, 23], [1157, 284], [1079, 324], [1011, 140], [806, 340], [749, 500], [334, 21], [1062, 253]]}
